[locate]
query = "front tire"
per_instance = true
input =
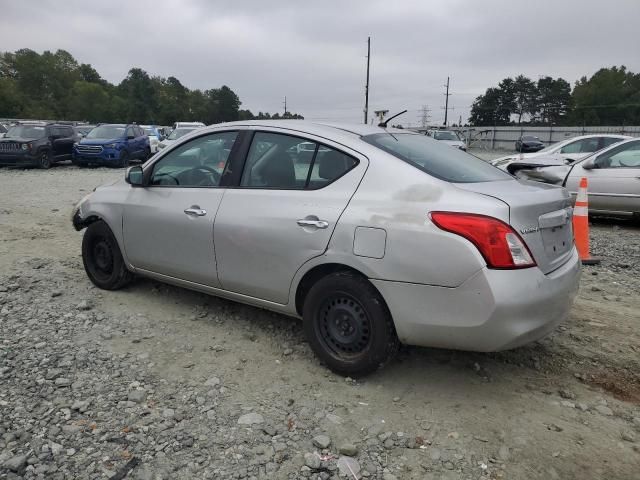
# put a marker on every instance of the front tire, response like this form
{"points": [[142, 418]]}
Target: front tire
{"points": [[124, 159], [102, 258], [44, 161], [348, 324]]}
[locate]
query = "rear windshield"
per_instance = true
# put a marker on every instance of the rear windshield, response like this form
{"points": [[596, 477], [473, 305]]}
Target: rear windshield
{"points": [[445, 136], [436, 159], [530, 139]]}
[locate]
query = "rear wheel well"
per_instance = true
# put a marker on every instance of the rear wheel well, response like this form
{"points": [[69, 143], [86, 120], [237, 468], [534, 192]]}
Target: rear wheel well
{"points": [[315, 274]]}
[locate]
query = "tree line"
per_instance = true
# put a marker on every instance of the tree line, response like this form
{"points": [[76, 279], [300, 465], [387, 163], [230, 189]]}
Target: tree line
{"points": [[611, 96], [55, 86]]}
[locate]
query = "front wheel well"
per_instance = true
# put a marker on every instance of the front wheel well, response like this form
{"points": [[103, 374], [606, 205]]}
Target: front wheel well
{"points": [[315, 274], [84, 223]]}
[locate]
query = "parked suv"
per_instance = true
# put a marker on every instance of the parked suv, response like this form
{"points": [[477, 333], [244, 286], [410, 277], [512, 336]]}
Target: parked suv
{"points": [[37, 144], [112, 144]]}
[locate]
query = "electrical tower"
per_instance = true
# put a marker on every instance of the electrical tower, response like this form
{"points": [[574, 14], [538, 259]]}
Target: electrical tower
{"points": [[424, 116], [285, 105]]}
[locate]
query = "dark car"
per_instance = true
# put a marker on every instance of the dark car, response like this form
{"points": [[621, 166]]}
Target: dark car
{"points": [[113, 144], [37, 144], [528, 143]]}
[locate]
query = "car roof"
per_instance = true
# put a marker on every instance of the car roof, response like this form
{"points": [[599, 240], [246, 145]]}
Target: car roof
{"points": [[315, 128]]}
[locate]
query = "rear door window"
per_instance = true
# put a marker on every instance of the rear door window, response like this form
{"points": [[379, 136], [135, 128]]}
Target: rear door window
{"points": [[292, 163], [436, 159]]}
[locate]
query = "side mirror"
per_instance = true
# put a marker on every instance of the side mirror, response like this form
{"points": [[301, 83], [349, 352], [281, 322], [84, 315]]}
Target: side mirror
{"points": [[589, 164], [134, 176]]}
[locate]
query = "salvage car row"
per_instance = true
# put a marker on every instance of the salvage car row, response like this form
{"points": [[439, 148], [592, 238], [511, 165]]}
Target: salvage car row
{"points": [[41, 144], [610, 163]]}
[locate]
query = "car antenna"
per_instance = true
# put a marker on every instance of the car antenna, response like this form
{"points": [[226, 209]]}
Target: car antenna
{"points": [[384, 123]]}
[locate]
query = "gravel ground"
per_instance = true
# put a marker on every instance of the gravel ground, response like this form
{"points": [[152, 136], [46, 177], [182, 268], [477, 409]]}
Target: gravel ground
{"points": [[164, 383]]}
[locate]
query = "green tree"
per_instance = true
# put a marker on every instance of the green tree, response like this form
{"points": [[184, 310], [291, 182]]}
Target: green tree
{"points": [[490, 109], [525, 95], [89, 101], [610, 97], [138, 90], [554, 100]]}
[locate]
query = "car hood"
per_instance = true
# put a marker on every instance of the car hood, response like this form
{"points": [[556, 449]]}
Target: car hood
{"points": [[516, 156], [17, 139], [99, 141]]}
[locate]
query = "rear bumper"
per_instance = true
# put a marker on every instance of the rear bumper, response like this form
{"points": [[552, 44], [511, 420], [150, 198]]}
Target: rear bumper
{"points": [[493, 310]]}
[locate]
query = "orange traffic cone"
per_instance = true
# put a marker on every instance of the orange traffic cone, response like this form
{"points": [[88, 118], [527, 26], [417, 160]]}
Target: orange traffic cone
{"points": [[581, 225]]}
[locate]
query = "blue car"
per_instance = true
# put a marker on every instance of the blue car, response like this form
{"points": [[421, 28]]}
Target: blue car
{"points": [[112, 145]]}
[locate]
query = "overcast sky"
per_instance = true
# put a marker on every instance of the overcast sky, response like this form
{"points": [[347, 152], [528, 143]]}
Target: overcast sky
{"points": [[314, 51]]}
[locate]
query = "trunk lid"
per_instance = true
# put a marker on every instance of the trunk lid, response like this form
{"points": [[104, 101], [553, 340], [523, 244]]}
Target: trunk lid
{"points": [[540, 213]]}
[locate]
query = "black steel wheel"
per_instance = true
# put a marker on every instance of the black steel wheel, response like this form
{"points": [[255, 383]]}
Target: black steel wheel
{"points": [[348, 324], [102, 259], [343, 325]]}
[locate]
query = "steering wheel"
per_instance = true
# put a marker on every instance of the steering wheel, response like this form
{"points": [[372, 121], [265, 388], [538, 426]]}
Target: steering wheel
{"points": [[204, 168]]}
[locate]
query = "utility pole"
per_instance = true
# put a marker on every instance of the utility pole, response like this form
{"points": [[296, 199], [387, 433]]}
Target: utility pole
{"points": [[366, 88], [446, 102], [285, 105], [424, 116]]}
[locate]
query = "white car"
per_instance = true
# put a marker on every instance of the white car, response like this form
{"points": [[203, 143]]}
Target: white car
{"points": [[175, 135], [567, 151], [154, 136], [449, 137]]}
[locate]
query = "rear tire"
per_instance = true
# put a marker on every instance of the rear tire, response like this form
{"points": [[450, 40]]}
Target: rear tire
{"points": [[348, 324], [44, 161], [102, 258]]}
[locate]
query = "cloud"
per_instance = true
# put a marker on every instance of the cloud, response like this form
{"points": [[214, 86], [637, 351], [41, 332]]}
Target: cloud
{"points": [[314, 52]]}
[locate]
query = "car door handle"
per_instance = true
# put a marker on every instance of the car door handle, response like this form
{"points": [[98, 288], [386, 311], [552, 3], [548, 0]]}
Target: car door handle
{"points": [[195, 211], [313, 223]]}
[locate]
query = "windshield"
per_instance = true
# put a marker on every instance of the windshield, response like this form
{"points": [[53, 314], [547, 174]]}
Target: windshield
{"points": [[106, 131], [25, 131], [530, 139], [179, 132], [555, 146], [150, 132], [438, 160]]}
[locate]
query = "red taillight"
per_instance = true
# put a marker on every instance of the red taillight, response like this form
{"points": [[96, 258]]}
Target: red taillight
{"points": [[498, 243]]}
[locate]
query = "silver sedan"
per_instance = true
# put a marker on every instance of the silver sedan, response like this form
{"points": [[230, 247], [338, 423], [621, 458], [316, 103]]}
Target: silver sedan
{"points": [[613, 176], [382, 237]]}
